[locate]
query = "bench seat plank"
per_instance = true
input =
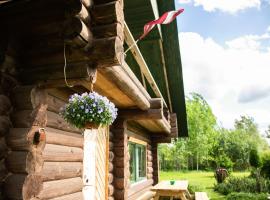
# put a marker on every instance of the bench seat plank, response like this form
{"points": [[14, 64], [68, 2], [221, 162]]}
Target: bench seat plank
{"points": [[201, 196]]}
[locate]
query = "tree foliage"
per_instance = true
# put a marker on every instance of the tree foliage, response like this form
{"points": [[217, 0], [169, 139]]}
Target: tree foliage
{"points": [[209, 145]]}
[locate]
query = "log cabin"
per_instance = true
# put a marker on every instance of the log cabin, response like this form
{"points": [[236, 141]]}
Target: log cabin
{"points": [[42, 156]]}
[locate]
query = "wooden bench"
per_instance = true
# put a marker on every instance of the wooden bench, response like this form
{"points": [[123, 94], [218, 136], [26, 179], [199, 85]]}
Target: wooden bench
{"points": [[149, 195], [201, 196]]}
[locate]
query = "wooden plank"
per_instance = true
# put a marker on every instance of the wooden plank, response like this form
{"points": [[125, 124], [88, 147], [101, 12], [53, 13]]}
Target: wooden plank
{"points": [[89, 163], [141, 62], [135, 114], [201, 196]]}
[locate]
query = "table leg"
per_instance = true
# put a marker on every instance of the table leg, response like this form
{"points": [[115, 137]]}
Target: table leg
{"points": [[188, 194], [156, 197], [182, 196]]}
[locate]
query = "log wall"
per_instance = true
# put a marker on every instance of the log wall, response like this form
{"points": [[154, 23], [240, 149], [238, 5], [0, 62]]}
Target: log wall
{"points": [[8, 70], [45, 157], [121, 160], [120, 187]]}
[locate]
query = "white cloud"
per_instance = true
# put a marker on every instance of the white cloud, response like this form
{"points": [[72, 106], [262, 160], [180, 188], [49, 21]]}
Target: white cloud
{"points": [[229, 6], [233, 79], [248, 42], [268, 29]]}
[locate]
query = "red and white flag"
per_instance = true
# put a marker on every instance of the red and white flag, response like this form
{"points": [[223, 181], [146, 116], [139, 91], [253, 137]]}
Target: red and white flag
{"points": [[166, 18]]}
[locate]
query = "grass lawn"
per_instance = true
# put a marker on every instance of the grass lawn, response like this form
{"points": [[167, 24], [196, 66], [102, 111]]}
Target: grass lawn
{"points": [[203, 180]]}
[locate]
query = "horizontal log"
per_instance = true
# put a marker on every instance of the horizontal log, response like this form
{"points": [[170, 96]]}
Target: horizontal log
{"points": [[119, 151], [109, 30], [110, 167], [119, 172], [119, 162], [149, 164], [164, 125], [111, 156], [156, 103], [110, 146], [74, 196], [127, 85], [20, 186], [88, 3], [55, 136], [149, 170], [110, 178], [84, 15], [149, 176], [57, 153], [77, 32], [29, 118], [135, 114], [3, 147], [5, 124], [5, 103], [108, 51], [53, 189], [149, 158], [119, 183], [26, 139], [3, 170], [56, 121], [24, 162], [110, 190], [120, 194], [108, 13], [162, 139], [61, 170]]}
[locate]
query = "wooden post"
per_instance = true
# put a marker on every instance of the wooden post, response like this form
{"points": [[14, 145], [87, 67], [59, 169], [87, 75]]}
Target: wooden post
{"points": [[89, 167]]}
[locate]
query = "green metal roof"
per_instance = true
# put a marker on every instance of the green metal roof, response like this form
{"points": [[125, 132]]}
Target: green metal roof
{"points": [[137, 14]]}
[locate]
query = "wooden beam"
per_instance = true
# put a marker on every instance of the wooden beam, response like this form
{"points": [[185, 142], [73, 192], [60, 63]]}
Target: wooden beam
{"points": [[135, 114], [141, 62], [127, 85], [165, 75]]}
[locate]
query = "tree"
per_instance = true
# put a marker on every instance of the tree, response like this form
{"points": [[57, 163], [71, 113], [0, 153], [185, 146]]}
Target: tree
{"points": [[202, 128]]}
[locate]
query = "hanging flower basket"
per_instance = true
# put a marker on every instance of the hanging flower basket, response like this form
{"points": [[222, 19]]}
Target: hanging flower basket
{"points": [[89, 110]]}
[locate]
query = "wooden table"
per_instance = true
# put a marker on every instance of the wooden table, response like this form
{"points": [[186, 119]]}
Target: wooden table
{"points": [[178, 190]]}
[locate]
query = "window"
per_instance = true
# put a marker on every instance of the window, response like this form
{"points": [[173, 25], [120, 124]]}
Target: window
{"points": [[137, 163]]}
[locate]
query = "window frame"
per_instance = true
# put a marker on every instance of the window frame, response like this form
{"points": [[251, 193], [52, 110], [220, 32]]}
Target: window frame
{"points": [[135, 166]]}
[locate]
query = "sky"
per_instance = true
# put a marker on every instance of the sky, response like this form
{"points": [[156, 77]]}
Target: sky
{"points": [[225, 52]]}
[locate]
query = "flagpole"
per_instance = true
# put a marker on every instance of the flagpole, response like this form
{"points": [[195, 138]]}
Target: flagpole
{"points": [[132, 46]]}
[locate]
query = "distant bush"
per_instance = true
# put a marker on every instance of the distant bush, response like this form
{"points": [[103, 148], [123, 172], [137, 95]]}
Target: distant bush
{"points": [[246, 196], [246, 185], [195, 188], [265, 169], [254, 158]]}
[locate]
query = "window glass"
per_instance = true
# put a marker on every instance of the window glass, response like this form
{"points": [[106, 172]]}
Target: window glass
{"points": [[137, 163], [132, 162]]}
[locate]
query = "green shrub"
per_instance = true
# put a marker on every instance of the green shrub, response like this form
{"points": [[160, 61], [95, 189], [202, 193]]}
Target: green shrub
{"points": [[247, 185], [254, 158], [265, 169], [195, 188], [246, 196]]}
